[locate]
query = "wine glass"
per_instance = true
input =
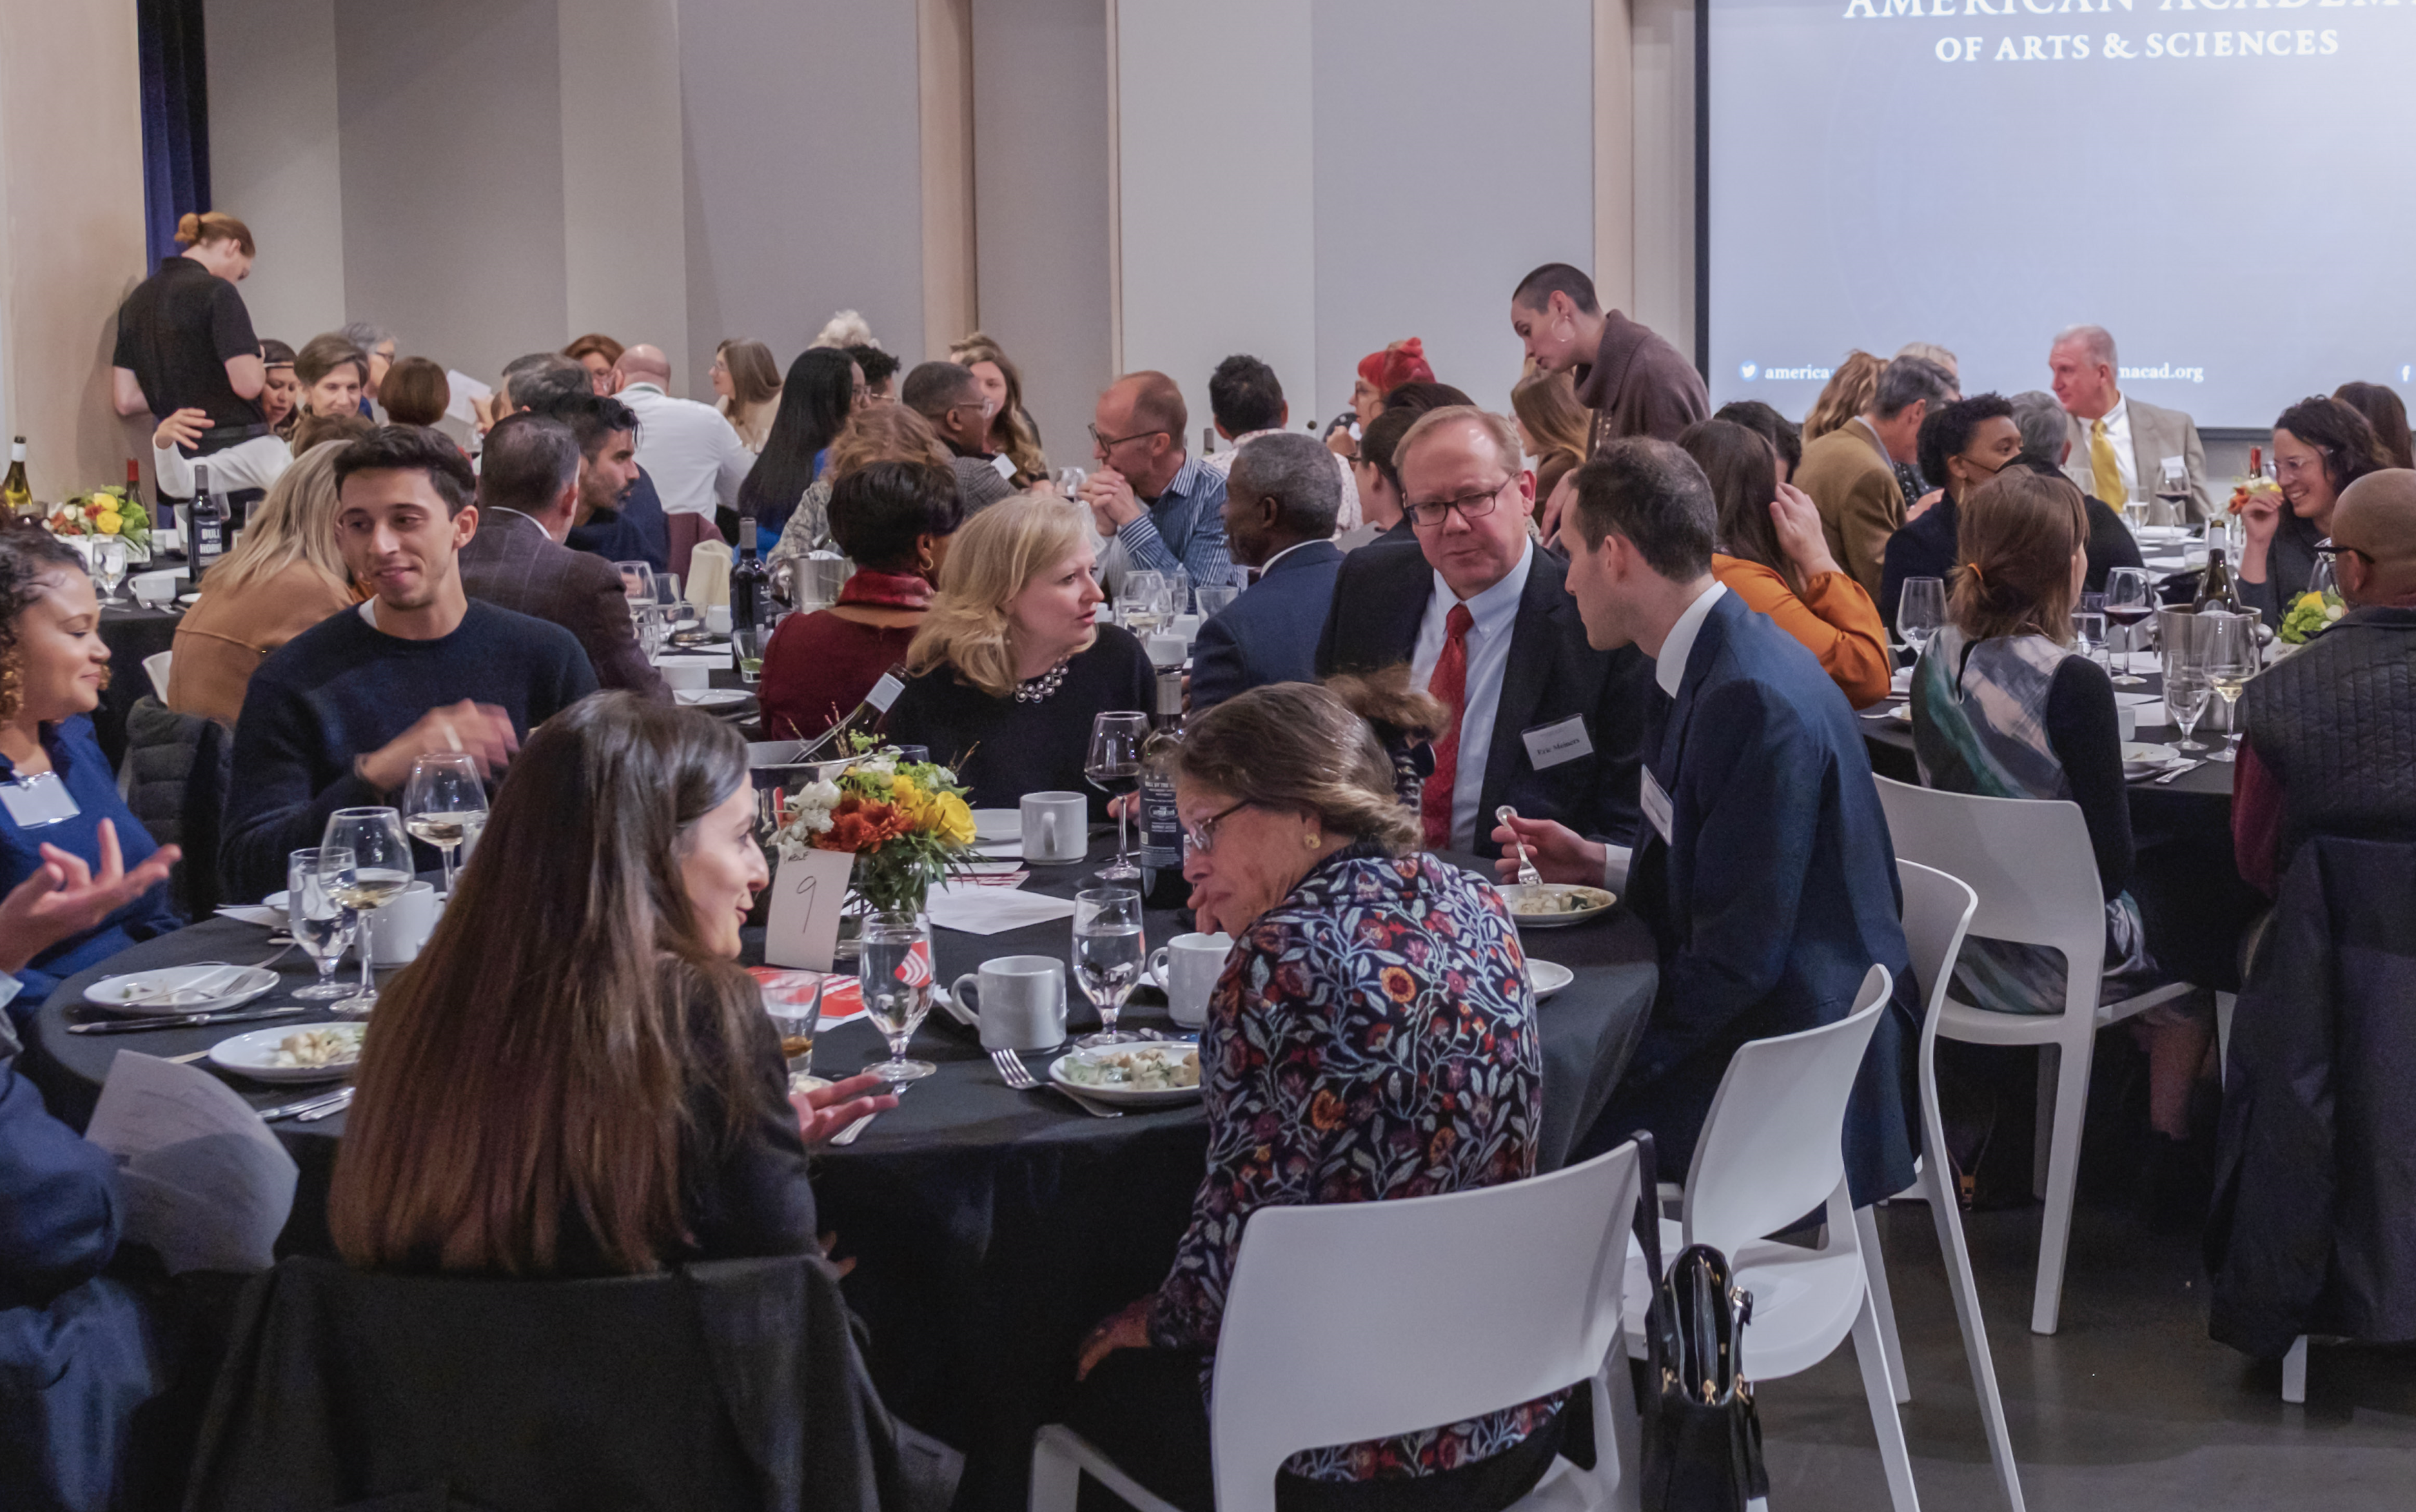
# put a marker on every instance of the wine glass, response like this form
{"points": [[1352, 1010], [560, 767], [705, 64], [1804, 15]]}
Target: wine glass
{"points": [[894, 970], [1141, 606], [2228, 645], [1920, 611], [2186, 689], [365, 864], [321, 926], [2128, 602], [2089, 625], [1070, 481], [637, 582], [109, 559], [1108, 951], [794, 1001], [1113, 761], [444, 791]]}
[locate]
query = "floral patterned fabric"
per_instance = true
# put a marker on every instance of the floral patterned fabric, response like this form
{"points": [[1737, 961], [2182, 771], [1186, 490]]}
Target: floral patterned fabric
{"points": [[1373, 1036]]}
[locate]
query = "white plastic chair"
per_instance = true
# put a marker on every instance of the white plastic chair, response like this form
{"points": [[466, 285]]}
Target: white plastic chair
{"points": [[1772, 1150], [2028, 860], [1353, 1321], [155, 666]]}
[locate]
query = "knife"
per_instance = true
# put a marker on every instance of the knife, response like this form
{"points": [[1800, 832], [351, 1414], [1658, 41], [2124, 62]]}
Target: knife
{"points": [[2186, 766], [306, 1104], [136, 1026]]}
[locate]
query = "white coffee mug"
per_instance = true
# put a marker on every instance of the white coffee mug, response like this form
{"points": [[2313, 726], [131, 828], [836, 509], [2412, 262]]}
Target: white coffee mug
{"points": [[1187, 967], [1019, 1001], [403, 924], [683, 674], [1056, 827], [717, 619]]}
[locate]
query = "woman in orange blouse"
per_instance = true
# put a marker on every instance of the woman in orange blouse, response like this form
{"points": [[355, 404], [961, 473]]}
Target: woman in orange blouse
{"points": [[1773, 556]]}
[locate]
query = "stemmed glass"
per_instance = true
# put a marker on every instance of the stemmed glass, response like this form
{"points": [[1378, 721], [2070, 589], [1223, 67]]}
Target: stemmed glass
{"points": [[364, 863], [2186, 680], [2127, 603], [322, 926], [2230, 646], [894, 972], [1920, 611], [1113, 767], [2089, 625], [439, 801], [1142, 606], [1108, 951], [109, 559], [638, 585]]}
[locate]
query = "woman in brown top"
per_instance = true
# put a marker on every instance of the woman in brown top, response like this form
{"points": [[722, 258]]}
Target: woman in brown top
{"points": [[285, 576]]}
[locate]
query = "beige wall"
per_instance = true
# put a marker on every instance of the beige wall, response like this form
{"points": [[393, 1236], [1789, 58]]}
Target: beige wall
{"points": [[71, 206], [626, 265], [276, 158]]}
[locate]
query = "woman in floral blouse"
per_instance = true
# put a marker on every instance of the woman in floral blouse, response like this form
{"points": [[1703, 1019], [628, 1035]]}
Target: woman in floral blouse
{"points": [[1373, 1036]]}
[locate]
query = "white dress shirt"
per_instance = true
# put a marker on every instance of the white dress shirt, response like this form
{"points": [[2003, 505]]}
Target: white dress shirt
{"points": [[689, 450], [1494, 616], [2118, 431], [252, 464], [1670, 672]]}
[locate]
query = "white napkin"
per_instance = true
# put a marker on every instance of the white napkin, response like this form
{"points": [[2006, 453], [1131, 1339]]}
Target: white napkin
{"points": [[974, 909], [271, 918], [708, 574], [1902, 681], [711, 659]]}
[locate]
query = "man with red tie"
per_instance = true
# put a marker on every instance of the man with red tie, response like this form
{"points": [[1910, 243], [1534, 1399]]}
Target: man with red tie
{"points": [[1482, 615]]}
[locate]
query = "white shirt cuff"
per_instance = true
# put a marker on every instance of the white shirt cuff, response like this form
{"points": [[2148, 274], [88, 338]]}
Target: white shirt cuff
{"points": [[1615, 859]]}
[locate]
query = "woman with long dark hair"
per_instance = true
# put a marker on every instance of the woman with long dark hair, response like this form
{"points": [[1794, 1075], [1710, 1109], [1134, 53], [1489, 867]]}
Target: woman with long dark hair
{"points": [[578, 1079], [2320, 446], [816, 398], [2385, 412]]}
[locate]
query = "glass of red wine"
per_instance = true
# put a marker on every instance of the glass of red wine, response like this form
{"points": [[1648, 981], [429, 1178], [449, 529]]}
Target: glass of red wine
{"points": [[2128, 602]]}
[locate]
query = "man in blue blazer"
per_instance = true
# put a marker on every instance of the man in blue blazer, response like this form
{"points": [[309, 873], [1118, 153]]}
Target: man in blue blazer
{"points": [[1764, 867], [1281, 498]]}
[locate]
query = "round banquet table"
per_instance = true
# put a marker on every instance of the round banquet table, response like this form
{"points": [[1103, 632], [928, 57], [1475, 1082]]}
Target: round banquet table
{"points": [[991, 1228]]}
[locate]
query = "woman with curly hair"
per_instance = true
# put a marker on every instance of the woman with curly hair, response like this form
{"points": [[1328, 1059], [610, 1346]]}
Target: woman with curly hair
{"points": [[61, 814], [1012, 435]]}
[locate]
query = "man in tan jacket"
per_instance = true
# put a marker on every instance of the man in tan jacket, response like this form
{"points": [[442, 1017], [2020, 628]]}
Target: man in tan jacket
{"points": [[1850, 471]]}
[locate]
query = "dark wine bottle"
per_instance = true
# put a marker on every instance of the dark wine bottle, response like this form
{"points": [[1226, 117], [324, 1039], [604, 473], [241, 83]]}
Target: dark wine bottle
{"points": [[749, 580], [207, 540]]}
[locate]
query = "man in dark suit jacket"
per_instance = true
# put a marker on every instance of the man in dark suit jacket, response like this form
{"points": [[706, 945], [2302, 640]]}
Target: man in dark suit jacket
{"points": [[1765, 870], [1281, 497], [528, 491], [1547, 724]]}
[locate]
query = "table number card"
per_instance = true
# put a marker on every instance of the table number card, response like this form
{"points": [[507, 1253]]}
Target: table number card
{"points": [[808, 895]]}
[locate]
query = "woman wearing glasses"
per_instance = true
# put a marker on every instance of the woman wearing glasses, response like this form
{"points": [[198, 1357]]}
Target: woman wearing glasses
{"points": [[2320, 446], [1371, 992]]}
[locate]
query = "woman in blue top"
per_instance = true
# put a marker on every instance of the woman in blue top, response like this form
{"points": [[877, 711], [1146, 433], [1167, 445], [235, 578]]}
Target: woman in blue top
{"points": [[59, 804]]}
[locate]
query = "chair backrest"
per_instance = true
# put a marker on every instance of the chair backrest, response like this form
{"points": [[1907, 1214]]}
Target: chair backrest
{"points": [[2028, 859], [1773, 1146], [155, 666], [1938, 911], [1353, 1321]]}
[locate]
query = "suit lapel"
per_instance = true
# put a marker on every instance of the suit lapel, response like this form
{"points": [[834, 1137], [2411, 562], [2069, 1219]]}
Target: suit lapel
{"points": [[1545, 616], [1709, 637], [1394, 634]]}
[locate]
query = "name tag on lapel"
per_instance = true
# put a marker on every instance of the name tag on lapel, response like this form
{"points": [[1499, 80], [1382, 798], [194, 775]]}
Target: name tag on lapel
{"points": [[38, 800], [1549, 745], [1656, 807], [1005, 465]]}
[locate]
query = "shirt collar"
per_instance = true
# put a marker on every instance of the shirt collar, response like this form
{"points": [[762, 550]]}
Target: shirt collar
{"points": [[1185, 483], [1498, 604], [1670, 667], [2117, 413], [645, 388], [1269, 565]]}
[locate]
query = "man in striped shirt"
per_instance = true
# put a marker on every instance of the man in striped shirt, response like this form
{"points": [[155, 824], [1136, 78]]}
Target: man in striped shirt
{"points": [[1165, 507]]}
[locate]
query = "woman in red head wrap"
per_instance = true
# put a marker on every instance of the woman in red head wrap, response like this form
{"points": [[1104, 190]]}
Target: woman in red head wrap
{"points": [[1381, 372]]}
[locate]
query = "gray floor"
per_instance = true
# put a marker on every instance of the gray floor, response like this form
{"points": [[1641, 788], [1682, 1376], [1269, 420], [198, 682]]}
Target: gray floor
{"points": [[2129, 1406]]}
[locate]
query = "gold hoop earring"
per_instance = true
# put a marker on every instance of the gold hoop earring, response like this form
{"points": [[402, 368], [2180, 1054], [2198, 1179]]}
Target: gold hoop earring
{"points": [[1311, 840]]}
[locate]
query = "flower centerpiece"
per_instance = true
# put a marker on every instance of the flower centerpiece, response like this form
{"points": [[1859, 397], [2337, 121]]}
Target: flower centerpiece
{"points": [[905, 822], [110, 511]]}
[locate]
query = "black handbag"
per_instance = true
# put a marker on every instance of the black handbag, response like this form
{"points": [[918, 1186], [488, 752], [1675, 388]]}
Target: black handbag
{"points": [[1702, 1440]]}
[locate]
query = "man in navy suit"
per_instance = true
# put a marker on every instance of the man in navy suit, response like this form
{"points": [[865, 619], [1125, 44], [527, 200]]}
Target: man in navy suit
{"points": [[1764, 867], [1281, 497], [1477, 608]]}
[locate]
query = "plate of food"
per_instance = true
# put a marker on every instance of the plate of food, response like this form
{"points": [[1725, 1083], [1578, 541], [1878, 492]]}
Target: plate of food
{"points": [[1557, 904], [2145, 758], [205, 987], [1549, 976], [1150, 1074], [313, 1052]]}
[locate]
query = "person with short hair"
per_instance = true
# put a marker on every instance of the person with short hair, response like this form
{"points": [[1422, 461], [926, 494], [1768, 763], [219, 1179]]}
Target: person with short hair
{"points": [[2047, 444], [528, 496], [415, 391], [185, 340], [747, 389], [2119, 445], [314, 430], [1785, 437], [333, 373], [596, 354], [1011, 664], [2320, 446], [1246, 400], [376, 343], [1934, 352], [893, 519], [286, 575], [1012, 435], [689, 450], [619, 516], [335, 718], [2387, 413], [1635, 382], [1165, 507], [949, 398], [1381, 371], [1962, 445], [1764, 868], [877, 432], [1850, 471], [281, 397], [1281, 503], [880, 369], [822, 388]]}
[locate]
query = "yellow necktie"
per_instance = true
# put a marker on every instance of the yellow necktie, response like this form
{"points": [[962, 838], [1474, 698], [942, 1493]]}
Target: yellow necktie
{"points": [[2103, 470]]}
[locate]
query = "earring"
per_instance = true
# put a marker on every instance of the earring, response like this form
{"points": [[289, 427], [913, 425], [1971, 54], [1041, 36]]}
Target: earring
{"points": [[1311, 840]]}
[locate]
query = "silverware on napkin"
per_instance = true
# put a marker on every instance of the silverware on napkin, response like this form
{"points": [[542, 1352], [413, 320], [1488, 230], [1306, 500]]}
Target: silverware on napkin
{"points": [[185, 1021]]}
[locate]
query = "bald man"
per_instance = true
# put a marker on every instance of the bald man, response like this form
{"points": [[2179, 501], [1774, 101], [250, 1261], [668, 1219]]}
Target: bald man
{"points": [[689, 450], [2330, 729], [1148, 493]]}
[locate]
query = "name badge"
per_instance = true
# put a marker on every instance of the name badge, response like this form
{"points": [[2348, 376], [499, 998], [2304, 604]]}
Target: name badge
{"points": [[1549, 745], [1006, 466], [38, 800], [1656, 807]]}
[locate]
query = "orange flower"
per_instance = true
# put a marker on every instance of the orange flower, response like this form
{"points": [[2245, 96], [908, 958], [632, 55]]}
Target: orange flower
{"points": [[1325, 1111], [1399, 984], [862, 826]]}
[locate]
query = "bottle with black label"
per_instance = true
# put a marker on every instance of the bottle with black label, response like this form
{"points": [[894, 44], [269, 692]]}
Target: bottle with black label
{"points": [[861, 719], [749, 581], [1161, 825], [2215, 590], [207, 541]]}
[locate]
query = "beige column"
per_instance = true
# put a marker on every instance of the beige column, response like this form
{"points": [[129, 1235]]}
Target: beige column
{"points": [[1614, 156], [70, 233], [944, 64]]}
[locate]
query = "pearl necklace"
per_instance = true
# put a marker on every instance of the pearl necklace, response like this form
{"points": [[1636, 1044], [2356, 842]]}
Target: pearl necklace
{"points": [[1035, 689]]}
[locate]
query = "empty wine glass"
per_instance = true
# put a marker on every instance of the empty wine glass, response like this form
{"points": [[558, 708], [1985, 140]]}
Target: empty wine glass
{"points": [[2128, 603], [1920, 611], [109, 558], [2229, 650], [445, 791], [637, 582], [321, 926], [1108, 951], [894, 972], [2186, 689], [1113, 767], [365, 864]]}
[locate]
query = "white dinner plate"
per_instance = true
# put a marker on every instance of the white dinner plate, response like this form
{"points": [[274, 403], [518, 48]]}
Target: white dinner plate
{"points": [[711, 698], [252, 1054], [1122, 1096], [1598, 903], [164, 992], [1901, 713], [188, 600], [1549, 976], [994, 825], [2141, 757]]}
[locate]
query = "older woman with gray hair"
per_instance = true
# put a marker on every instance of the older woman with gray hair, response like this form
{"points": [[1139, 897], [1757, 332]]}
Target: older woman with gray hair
{"points": [[1373, 1038]]}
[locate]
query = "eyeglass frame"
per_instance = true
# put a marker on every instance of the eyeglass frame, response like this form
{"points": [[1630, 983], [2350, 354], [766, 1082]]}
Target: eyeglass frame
{"points": [[1492, 500], [1202, 836], [1107, 446]]}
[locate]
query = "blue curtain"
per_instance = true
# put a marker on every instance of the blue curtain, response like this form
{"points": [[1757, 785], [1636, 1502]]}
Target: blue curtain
{"points": [[175, 118]]}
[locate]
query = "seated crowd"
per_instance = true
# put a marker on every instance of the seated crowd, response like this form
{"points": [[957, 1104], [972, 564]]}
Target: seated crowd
{"points": [[1636, 660]]}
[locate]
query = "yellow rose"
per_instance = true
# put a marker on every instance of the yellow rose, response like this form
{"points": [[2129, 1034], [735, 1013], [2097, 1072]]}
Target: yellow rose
{"points": [[109, 522], [956, 820]]}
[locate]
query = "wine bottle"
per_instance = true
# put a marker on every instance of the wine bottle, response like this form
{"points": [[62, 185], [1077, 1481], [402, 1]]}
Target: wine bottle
{"points": [[208, 537], [860, 718], [15, 493], [1161, 824], [2215, 589], [749, 581]]}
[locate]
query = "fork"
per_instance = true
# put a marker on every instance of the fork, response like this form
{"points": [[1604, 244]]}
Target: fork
{"points": [[847, 1135], [1019, 1076], [1529, 878]]}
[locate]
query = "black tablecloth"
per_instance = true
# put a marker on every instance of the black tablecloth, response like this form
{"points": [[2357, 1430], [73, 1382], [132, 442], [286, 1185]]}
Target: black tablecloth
{"points": [[992, 1227], [131, 634]]}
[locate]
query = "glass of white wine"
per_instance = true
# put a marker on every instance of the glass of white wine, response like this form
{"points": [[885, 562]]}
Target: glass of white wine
{"points": [[2230, 656], [445, 791], [322, 926], [365, 863]]}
